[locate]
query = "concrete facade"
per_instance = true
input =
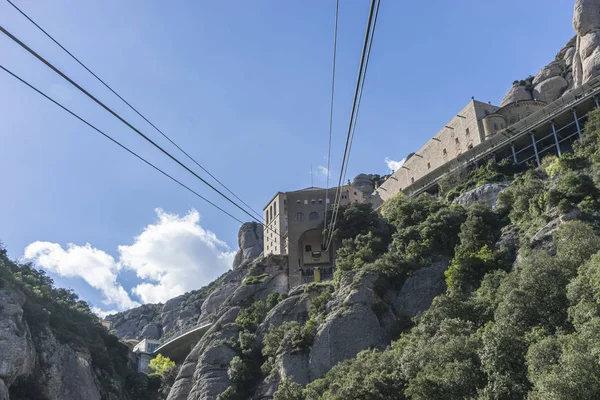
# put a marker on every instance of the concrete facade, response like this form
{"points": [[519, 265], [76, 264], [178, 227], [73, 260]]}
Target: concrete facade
{"points": [[144, 351], [464, 131], [295, 222]]}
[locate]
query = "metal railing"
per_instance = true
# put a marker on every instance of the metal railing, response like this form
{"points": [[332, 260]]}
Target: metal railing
{"points": [[505, 137]]}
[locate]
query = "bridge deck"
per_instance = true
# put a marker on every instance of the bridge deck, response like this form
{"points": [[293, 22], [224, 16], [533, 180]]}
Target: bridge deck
{"points": [[178, 347]]}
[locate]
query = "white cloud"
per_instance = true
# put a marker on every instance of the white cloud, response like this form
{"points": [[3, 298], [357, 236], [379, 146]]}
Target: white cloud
{"points": [[96, 267], [171, 256], [176, 255], [392, 165], [323, 170], [102, 313]]}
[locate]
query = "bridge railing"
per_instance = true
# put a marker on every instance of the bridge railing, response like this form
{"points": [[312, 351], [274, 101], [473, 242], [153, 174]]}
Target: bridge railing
{"points": [[180, 332]]}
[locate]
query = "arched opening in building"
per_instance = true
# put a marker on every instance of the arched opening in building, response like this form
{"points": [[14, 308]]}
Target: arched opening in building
{"points": [[312, 255]]}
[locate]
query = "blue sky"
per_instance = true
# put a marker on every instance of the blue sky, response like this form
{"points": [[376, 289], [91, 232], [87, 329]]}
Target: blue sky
{"points": [[244, 87]]}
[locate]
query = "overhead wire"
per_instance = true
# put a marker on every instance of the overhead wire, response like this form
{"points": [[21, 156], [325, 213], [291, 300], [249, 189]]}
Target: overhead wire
{"points": [[129, 125], [132, 107], [117, 142], [362, 71], [335, 31]]}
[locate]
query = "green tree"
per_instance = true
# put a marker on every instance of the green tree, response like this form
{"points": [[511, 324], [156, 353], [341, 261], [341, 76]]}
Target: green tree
{"points": [[161, 365]]}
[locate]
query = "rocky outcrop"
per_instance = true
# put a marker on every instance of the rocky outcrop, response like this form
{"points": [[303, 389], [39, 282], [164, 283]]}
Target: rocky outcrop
{"points": [[486, 193], [38, 365], [251, 243], [17, 352], [3, 391], [586, 22], [516, 93], [66, 373], [203, 375], [352, 325], [419, 289], [542, 239], [130, 324], [550, 89]]}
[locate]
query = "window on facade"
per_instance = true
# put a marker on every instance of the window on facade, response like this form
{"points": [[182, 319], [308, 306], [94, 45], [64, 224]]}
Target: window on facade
{"points": [[308, 247], [495, 127], [428, 165], [316, 254], [327, 201], [299, 217], [274, 209], [320, 201], [467, 132], [445, 152], [412, 180], [313, 216], [470, 145], [456, 140], [298, 201], [355, 193], [313, 201], [305, 201]]}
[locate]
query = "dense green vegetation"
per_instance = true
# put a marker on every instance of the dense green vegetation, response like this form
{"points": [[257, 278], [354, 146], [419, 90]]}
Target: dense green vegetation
{"points": [[505, 328]]}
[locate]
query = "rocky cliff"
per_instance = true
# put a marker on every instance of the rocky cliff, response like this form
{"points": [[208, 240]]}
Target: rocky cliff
{"points": [[575, 63], [51, 346]]}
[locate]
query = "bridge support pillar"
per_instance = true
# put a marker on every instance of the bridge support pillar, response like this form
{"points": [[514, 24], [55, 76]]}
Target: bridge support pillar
{"points": [[514, 154], [556, 139], [577, 123], [537, 155]]}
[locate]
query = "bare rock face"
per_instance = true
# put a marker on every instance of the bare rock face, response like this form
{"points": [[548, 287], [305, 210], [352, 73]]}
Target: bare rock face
{"points": [[364, 183], [550, 89], [516, 93], [549, 71], [586, 22], [203, 375], [68, 374], [129, 325], [17, 353], [419, 290], [3, 391], [251, 242], [487, 193], [151, 331]]}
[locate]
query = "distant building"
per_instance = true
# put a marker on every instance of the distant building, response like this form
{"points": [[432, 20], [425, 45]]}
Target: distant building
{"points": [[144, 351], [294, 226]]}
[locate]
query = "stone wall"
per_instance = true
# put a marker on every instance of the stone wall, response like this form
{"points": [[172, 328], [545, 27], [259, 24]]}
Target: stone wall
{"points": [[463, 131]]}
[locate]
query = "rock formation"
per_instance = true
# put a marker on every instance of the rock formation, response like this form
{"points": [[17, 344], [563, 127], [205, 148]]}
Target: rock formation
{"points": [[486, 193], [39, 365], [586, 22], [251, 243]]}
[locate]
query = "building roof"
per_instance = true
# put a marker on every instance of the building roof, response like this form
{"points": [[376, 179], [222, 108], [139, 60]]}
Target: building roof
{"points": [[307, 189]]}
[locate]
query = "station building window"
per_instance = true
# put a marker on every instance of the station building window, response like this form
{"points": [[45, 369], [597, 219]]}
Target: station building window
{"points": [[313, 216], [299, 216]]}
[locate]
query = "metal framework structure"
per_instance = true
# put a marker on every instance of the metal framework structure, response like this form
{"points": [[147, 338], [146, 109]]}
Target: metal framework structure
{"points": [[551, 129]]}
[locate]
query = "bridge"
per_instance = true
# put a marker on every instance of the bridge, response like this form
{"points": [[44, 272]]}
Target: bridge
{"points": [[179, 345], [551, 129]]}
